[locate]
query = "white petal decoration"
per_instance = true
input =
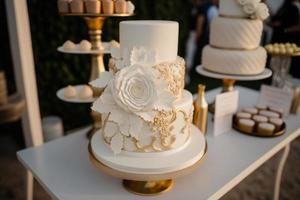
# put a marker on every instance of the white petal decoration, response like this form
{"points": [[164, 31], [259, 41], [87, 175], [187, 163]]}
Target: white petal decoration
{"points": [[103, 80], [118, 115], [116, 143], [136, 125], [152, 57], [110, 129], [137, 55], [105, 103], [124, 128], [165, 101], [115, 52], [119, 64]]}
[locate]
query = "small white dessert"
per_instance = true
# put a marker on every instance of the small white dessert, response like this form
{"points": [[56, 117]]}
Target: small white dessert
{"points": [[130, 7], [261, 107], [243, 115], [246, 125], [70, 92], [259, 118], [252, 111], [85, 92], [265, 128], [77, 6], [63, 6], [277, 122], [114, 43], [69, 46], [85, 45], [269, 114], [280, 111]]}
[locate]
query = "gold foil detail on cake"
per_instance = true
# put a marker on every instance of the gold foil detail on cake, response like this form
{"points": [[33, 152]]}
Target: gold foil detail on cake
{"points": [[173, 73]]}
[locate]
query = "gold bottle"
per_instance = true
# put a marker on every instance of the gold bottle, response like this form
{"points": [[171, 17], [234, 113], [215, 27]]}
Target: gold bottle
{"points": [[200, 110]]}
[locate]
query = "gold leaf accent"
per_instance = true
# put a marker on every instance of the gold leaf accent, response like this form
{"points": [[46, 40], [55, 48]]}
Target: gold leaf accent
{"points": [[173, 73]]}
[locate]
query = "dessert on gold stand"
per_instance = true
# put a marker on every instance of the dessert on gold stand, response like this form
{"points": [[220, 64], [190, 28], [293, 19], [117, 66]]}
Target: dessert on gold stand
{"points": [[94, 21]]}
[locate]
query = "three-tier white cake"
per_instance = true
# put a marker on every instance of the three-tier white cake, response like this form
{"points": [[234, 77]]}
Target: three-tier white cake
{"points": [[235, 36], [144, 106]]}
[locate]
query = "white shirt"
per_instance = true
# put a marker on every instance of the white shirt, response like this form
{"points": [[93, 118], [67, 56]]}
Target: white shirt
{"points": [[212, 13]]}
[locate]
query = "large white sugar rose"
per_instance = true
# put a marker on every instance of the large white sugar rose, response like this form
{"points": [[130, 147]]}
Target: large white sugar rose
{"points": [[262, 11], [134, 89], [250, 7]]}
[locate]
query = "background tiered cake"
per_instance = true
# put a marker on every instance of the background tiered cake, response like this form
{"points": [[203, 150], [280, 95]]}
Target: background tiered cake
{"points": [[235, 37]]}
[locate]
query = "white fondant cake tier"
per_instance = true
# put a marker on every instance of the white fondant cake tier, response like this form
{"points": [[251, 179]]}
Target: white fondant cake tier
{"points": [[231, 8], [158, 36], [235, 33], [151, 163], [234, 62], [171, 131]]}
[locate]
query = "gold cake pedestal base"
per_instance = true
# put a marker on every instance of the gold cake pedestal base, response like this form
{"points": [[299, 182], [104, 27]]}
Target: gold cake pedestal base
{"points": [[145, 184], [148, 188]]}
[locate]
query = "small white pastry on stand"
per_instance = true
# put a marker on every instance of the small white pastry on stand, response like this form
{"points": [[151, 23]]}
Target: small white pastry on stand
{"points": [[85, 45], [86, 92], [69, 46], [70, 92], [130, 7]]}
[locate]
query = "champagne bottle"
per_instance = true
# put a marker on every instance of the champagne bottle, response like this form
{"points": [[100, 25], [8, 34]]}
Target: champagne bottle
{"points": [[200, 110]]}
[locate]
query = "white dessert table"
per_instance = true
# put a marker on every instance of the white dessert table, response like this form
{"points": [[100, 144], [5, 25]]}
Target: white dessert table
{"points": [[64, 170]]}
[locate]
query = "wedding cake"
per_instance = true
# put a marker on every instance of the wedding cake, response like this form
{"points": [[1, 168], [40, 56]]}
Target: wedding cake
{"points": [[144, 106], [235, 37]]}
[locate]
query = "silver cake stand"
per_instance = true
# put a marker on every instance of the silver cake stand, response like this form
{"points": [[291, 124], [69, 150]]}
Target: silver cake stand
{"points": [[229, 80]]}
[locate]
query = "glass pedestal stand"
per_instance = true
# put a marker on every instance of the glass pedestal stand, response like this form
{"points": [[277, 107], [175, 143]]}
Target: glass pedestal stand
{"points": [[230, 80], [94, 23]]}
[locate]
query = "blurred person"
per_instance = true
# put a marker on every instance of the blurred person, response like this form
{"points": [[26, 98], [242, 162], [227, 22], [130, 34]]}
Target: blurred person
{"points": [[286, 24], [207, 13], [191, 44], [267, 29]]}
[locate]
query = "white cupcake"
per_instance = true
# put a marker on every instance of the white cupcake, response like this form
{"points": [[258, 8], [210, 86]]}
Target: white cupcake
{"points": [[269, 114], [265, 128], [277, 122], [252, 111], [246, 125], [280, 111], [259, 118], [243, 115]]}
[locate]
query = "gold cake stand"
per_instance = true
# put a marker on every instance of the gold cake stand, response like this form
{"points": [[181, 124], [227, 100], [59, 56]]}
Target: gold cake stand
{"points": [[95, 24], [144, 184], [230, 80]]}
